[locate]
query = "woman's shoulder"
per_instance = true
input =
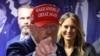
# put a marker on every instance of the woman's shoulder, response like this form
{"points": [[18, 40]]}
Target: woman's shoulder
{"points": [[89, 49], [88, 46]]}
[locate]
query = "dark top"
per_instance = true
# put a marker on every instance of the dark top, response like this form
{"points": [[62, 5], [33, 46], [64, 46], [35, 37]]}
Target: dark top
{"points": [[27, 47], [88, 49]]}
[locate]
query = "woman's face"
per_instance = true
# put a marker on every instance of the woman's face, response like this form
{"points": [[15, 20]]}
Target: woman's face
{"points": [[68, 29]]}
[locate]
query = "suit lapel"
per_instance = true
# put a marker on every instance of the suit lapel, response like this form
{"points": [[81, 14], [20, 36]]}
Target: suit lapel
{"points": [[30, 45]]}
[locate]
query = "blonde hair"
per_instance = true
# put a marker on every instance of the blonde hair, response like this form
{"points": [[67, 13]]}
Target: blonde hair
{"points": [[79, 40], [25, 6]]}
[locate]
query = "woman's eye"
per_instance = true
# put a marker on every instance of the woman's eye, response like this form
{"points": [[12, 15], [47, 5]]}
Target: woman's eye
{"points": [[66, 26], [73, 27]]}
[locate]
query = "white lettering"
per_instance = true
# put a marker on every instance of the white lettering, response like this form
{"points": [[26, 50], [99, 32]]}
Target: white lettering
{"points": [[47, 9], [53, 14], [40, 9], [43, 14]]}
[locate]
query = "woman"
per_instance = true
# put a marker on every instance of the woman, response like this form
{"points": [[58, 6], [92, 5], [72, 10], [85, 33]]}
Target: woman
{"points": [[71, 36]]}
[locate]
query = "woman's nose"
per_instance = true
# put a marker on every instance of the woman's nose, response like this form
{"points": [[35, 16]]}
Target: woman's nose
{"points": [[69, 29]]}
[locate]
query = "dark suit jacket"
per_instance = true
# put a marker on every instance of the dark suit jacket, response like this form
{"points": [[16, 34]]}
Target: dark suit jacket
{"points": [[92, 26], [27, 47], [3, 39], [15, 39], [14, 29]]}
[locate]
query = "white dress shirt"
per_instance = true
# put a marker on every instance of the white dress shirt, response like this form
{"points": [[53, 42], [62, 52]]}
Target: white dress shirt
{"points": [[23, 37], [84, 9]]}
